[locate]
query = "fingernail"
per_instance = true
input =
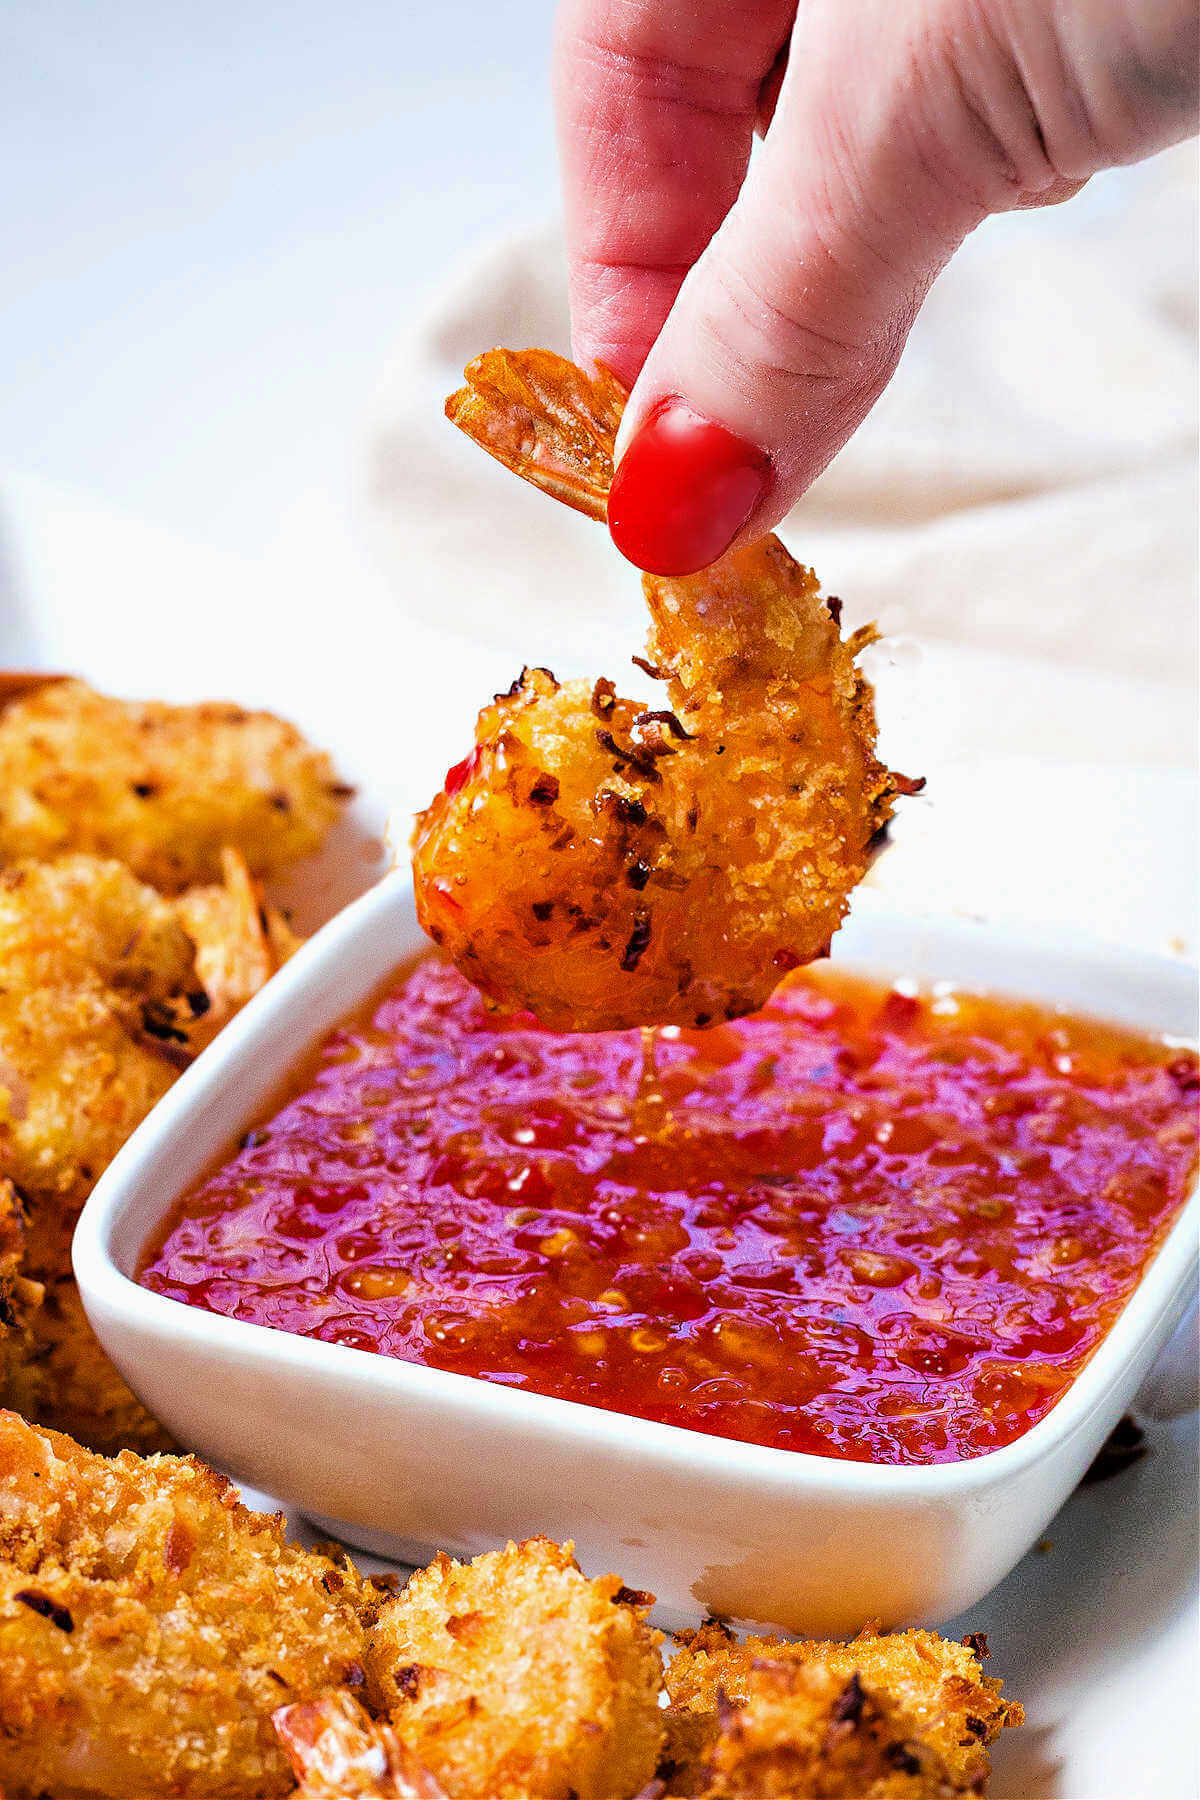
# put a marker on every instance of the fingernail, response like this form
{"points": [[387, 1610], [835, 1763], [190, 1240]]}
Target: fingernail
{"points": [[683, 490]]}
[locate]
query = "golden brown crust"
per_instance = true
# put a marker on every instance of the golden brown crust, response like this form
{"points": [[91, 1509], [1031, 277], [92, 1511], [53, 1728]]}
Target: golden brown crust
{"points": [[150, 1626], [95, 970], [20, 1297], [107, 990], [515, 1675], [605, 862], [62, 1379], [885, 1717], [15, 684], [160, 788]]}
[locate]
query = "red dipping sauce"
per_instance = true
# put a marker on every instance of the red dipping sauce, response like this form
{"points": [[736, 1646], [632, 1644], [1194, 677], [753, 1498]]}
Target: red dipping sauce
{"points": [[857, 1224]]}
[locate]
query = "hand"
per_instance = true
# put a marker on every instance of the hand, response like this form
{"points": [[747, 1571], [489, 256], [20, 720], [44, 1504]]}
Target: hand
{"points": [[761, 314]]}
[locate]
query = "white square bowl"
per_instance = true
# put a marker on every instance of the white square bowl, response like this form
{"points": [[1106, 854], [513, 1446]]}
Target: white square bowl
{"points": [[402, 1459]]}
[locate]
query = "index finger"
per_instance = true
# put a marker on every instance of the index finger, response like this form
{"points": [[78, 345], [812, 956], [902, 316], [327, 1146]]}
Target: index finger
{"points": [[657, 102]]}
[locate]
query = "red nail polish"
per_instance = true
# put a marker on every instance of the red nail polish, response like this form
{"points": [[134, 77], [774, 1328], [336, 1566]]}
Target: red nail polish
{"points": [[683, 490]]}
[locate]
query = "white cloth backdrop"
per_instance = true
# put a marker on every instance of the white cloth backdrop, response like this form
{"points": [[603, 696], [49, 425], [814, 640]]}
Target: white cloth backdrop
{"points": [[1026, 485]]}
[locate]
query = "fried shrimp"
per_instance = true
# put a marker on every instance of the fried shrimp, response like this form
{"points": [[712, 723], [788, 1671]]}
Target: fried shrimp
{"points": [[907, 1715], [150, 1626], [107, 990], [61, 1378], [97, 987], [514, 1675], [338, 1752], [161, 788], [20, 1297], [606, 862]]}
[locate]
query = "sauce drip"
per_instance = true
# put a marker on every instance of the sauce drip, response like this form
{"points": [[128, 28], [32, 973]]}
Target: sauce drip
{"points": [[861, 1223]]}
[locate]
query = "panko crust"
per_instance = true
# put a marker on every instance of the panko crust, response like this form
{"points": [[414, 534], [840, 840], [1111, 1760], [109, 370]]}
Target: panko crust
{"points": [[161, 788], [563, 878], [904, 1715], [62, 1379], [604, 862], [96, 974], [20, 1297], [150, 1626], [107, 991], [515, 1675]]}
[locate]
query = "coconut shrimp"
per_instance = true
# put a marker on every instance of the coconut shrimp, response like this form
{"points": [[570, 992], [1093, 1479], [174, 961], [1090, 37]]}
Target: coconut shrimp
{"points": [[150, 1625], [884, 1717], [606, 862], [515, 1675], [163, 789]]}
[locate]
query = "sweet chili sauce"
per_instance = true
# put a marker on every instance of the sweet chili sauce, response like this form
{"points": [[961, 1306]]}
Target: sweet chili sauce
{"points": [[862, 1223]]}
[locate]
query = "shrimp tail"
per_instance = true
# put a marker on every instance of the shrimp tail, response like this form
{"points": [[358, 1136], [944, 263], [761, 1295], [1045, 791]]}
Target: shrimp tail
{"points": [[546, 421]]}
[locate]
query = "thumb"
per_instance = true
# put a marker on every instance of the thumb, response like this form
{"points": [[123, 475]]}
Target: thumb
{"points": [[791, 323]]}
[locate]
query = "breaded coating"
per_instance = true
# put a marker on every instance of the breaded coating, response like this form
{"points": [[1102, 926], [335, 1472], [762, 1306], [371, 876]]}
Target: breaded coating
{"points": [[20, 1298], [606, 862], [804, 1731], [107, 990], [338, 1752], [515, 1675], [161, 788], [62, 1379], [96, 983], [150, 1626], [239, 942], [908, 1714]]}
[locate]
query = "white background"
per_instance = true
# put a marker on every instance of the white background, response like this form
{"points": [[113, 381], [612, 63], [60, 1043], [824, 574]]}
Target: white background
{"points": [[214, 218]]}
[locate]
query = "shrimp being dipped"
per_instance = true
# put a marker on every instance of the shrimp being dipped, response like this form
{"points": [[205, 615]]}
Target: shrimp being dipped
{"points": [[605, 862]]}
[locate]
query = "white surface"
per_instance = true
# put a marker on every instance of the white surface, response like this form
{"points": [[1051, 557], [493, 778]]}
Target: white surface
{"points": [[405, 1459], [215, 218]]}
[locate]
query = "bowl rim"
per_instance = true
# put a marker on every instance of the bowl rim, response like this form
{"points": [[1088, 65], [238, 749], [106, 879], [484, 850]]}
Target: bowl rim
{"points": [[105, 1287]]}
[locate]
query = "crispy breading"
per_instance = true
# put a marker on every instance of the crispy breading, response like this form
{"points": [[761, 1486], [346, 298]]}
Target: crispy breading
{"points": [[161, 788], [12, 1260], [338, 1752], [515, 1675], [607, 862], [805, 1731], [62, 1379], [239, 942], [107, 990], [20, 1297], [150, 1626], [15, 684], [95, 977], [906, 1714]]}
